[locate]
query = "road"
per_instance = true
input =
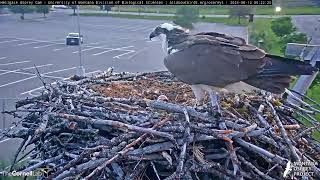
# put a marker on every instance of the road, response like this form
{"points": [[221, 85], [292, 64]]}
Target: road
{"points": [[117, 42], [309, 25]]}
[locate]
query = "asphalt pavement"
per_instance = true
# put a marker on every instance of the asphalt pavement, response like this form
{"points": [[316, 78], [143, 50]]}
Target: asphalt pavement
{"points": [[40, 42], [309, 25]]}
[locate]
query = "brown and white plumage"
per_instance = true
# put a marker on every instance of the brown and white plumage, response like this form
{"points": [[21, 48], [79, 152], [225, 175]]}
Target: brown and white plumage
{"points": [[216, 62]]}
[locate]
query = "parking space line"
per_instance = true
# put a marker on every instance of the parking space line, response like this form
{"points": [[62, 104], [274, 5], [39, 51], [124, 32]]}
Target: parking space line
{"points": [[29, 73], [32, 67], [25, 79], [143, 28], [28, 43], [92, 43], [17, 62], [132, 28], [92, 47], [118, 56], [35, 89], [58, 49], [82, 50], [9, 41], [2, 58], [40, 40], [116, 49], [46, 45], [137, 52], [148, 30]]}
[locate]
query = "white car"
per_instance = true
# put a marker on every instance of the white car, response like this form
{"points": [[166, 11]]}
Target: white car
{"points": [[74, 39], [59, 7]]}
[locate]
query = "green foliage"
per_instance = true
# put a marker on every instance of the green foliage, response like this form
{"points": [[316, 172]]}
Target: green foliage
{"points": [[295, 37], [282, 26], [239, 11], [23, 9], [286, 31], [107, 7], [260, 30], [42, 9], [316, 82], [261, 39], [186, 16]]}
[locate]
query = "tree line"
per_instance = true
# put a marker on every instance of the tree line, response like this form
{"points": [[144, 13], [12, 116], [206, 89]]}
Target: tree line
{"points": [[24, 9]]}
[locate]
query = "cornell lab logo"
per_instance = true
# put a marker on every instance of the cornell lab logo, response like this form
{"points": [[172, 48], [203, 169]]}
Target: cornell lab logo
{"points": [[287, 170]]}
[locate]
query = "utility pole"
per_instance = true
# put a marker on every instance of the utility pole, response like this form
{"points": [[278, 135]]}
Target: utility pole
{"points": [[80, 69]]}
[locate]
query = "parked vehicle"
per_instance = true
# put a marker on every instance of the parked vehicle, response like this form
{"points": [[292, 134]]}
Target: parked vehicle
{"points": [[74, 39], [60, 7]]}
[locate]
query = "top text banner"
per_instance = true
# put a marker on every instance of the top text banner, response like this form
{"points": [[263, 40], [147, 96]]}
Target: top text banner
{"points": [[150, 2]]}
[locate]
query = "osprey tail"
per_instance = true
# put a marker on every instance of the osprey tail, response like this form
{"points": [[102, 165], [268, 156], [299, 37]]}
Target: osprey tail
{"points": [[280, 66], [276, 74]]}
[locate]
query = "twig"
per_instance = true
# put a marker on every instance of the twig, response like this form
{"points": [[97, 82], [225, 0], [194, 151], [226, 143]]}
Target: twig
{"points": [[155, 170], [255, 169], [125, 150], [283, 133]]}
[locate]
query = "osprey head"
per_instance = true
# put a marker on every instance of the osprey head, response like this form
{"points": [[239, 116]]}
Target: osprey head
{"points": [[167, 29]]}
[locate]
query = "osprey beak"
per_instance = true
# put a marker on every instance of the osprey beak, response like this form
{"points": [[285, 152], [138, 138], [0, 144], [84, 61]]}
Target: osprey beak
{"points": [[152, 35]]}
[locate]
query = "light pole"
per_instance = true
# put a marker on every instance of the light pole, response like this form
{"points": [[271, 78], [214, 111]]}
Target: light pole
{"points": [[277, 9], [80, 69]]}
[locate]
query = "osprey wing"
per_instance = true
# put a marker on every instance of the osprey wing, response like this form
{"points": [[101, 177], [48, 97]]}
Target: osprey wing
{"points": [[214, 60]]}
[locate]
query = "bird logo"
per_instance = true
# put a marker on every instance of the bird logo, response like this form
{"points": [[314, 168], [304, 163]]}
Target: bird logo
{"points": [[288, 169], [43, 172]]}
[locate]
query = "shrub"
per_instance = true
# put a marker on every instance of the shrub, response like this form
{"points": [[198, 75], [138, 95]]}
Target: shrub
{"points": [[282, 26], [186, 16], [45, 9], [21, 9], [295, 37]]}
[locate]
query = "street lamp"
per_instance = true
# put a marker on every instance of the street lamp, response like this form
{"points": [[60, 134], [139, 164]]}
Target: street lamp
{"points": [[80, 69], [278, 9]]}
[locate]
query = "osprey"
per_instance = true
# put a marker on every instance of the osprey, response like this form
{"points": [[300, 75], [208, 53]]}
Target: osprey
{"points": [[216, 63]]}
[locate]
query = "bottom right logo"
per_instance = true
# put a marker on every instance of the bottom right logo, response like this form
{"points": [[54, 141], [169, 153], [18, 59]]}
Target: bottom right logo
{"points": [[299, 169]]}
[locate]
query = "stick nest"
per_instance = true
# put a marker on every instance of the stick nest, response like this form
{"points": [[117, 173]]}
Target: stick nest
{"points": [[144, 126]]}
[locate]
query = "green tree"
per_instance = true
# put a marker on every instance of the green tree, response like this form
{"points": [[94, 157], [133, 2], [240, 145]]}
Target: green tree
{"points": [[282, 26], [295, 37], [105, 7], [239, 12], [43, 9], [74, 7], [186, 16], [23, 9]]}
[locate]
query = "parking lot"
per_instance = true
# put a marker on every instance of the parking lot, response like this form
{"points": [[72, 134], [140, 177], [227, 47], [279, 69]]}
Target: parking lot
{"points": [[39, 43]]}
